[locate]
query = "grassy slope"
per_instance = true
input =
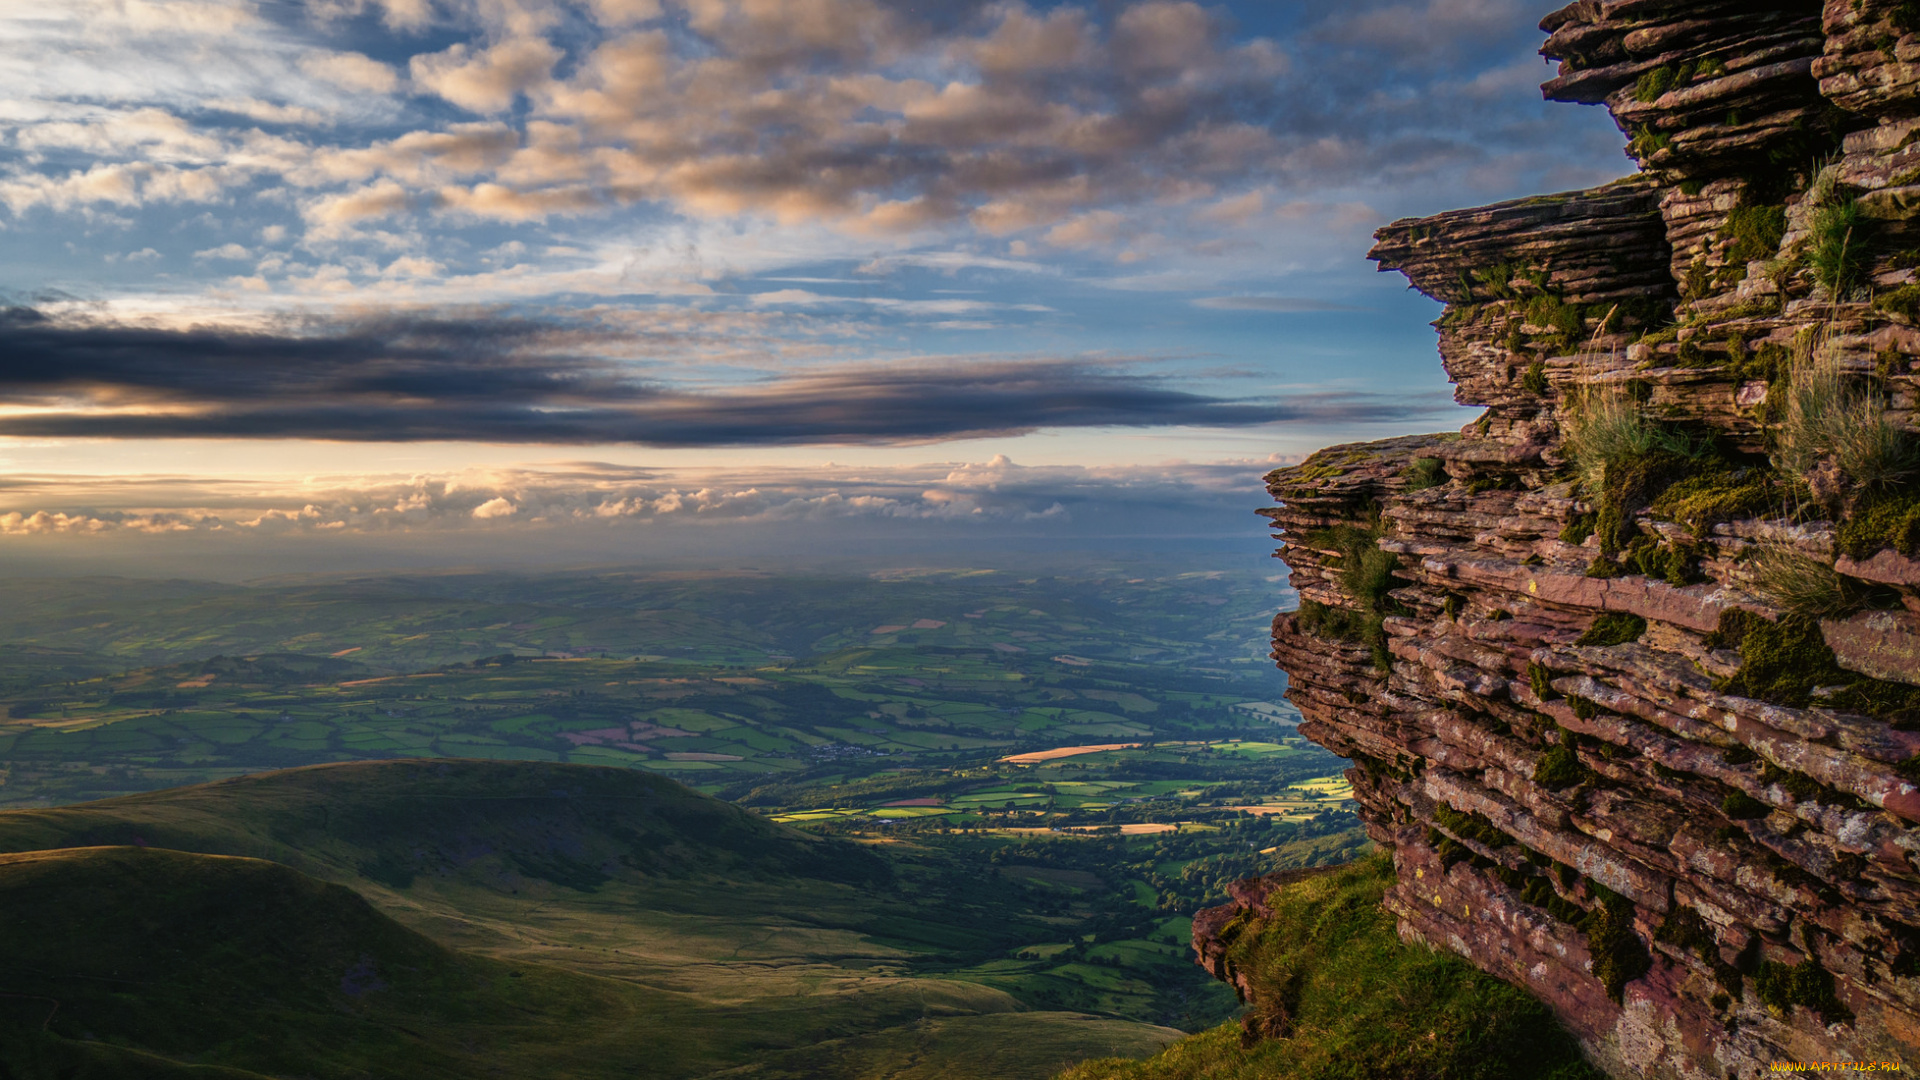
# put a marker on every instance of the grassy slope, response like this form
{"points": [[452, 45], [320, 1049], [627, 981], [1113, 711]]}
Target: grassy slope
{"points": [[742, 937], [1362, 1003], [614, 871], [250, 965]]}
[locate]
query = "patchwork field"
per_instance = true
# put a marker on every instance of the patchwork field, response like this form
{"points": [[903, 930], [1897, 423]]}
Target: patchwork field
{"points": [[654, 673]]}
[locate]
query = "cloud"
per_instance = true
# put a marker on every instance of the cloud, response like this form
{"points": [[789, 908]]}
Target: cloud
{"points": [[375, 200], [1288, 304], [1099, 125], [996, 494], [488, 80], [268, 112], [351, 71], [506, 380]]}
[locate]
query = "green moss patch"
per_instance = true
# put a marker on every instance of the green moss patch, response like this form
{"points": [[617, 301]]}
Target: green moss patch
{"points": [[1471, 826], [1753, 232], [1740, 806], [1613, 628], [1902, 303], [1629, 486], [1703, 500], [1366, 574], [1542, 682], [1618, 954], [1534, 380], [1891, 521], [1560, 768], [1675, 564], [1578, 528], [1604, 567], [1783, 662], [1780, 662], [1782, 987], [1566, 323]]}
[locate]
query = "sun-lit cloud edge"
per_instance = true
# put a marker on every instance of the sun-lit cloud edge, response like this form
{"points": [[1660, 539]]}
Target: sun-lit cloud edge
{"points": [[591, 495]]}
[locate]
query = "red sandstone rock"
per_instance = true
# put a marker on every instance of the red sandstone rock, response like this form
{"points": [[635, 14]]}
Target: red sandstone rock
{"points": [[1883, 644], [1790, 834]]}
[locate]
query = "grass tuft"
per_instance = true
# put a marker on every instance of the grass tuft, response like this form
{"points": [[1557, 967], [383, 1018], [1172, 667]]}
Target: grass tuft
{"points": [[1800, 584], [1626, 459], [1836, 245], [1836, 421], [1423, 473]]}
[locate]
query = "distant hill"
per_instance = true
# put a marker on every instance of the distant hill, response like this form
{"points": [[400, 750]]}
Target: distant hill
{"points": [[506, 826], [528, 920]]}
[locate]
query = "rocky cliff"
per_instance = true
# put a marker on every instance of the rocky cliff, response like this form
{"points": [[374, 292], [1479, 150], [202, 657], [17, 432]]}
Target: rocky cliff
{"points": [[1629, 668]]}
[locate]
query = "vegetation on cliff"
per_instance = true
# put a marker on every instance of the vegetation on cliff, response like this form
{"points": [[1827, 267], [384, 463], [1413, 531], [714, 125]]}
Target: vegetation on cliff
{"points": [[1336, 994]]}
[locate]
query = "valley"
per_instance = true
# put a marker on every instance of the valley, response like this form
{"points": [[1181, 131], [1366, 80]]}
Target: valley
{"points": [[892, 848]]}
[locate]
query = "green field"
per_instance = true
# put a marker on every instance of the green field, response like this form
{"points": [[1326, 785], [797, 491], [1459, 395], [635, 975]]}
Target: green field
{"points": [[726, 682], [1196, 619]]}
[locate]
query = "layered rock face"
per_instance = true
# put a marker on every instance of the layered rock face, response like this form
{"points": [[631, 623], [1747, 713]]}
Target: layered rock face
{"points": [[1642, 726]]}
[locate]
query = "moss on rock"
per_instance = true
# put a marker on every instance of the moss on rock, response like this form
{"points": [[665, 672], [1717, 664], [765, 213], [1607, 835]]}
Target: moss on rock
{"points": [[1891, 521], [1617, 953], [1613, 628], [1560, 768], [1706, 499], [1783, 986]]}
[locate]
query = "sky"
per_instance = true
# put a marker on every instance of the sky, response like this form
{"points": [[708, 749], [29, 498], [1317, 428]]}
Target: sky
{"points": [[339, 284]]}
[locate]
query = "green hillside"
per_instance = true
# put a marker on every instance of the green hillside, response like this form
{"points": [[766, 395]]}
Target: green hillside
{"points": [[124, 961], [535, 919], [502, 825], [1337, 995]]}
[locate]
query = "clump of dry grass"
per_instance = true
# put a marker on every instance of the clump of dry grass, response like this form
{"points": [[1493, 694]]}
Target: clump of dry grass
{"points": [[1605, 428], [1837, 423], [1800, 584]]}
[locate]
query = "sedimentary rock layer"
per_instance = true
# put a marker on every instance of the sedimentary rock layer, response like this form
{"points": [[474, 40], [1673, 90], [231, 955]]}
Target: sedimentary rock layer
{"points": [[1622, 757]]}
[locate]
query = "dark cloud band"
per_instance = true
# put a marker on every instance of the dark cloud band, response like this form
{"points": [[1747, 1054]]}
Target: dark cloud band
{"points": [[513, 380]]}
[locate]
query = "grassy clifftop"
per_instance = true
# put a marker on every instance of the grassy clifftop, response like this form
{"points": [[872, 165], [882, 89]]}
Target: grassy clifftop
{"points": [[1336, 995]]}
